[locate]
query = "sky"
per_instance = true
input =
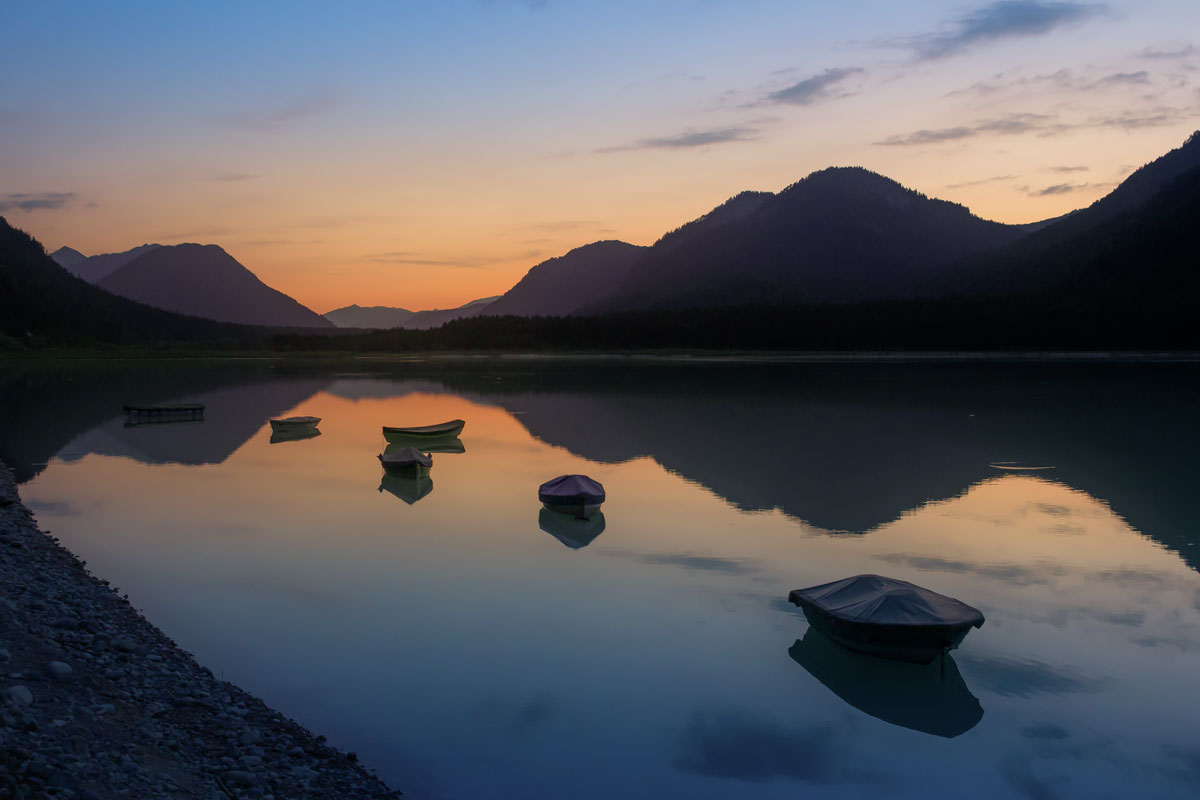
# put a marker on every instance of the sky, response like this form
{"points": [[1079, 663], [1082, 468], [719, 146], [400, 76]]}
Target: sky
{"points": [[425, 154]]}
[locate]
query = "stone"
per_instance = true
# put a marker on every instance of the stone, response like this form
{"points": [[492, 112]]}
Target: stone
{"points": [[20, 695], [240, 777], [59, 669], [124, 645]]}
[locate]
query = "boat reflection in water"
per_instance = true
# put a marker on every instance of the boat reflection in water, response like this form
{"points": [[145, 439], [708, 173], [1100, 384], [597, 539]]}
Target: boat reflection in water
{"points": [[930, 698], [574, 532], [408, 486], [294, 434]]}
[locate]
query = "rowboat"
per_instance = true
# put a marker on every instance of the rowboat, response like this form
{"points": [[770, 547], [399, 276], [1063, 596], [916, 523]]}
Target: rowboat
{"points": [[575, 533], [441, 430], [405, 458], [294, 423], [577, 495], [888, 618], [929, 698]]}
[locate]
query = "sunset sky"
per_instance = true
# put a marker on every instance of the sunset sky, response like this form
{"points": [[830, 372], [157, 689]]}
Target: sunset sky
{"points": [[423, 154]]}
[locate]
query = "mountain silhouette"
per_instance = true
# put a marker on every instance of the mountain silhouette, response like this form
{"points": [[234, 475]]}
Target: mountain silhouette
{"points": [[368, 317], [94, 268], [205, 281], [561, 286], [41, 303], [843, 234], [433, 318], [1135, 245]]}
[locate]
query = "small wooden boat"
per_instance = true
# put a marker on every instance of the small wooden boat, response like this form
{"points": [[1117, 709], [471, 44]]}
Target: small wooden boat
{"points": [[887, 618], [577, 495], [442, 430], [294, 423], [406, 458], [179, 412]]}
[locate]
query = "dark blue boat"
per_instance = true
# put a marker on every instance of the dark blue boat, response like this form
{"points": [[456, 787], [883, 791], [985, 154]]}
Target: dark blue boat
{"points": [[577, 495]]}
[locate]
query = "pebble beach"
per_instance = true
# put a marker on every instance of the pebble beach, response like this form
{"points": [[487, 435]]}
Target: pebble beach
{"points": [[97, 703]]}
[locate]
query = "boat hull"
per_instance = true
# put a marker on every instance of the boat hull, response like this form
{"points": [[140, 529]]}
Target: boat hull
{"points": [[575, 508], [294, 423], [916, 644], [444, 430]]}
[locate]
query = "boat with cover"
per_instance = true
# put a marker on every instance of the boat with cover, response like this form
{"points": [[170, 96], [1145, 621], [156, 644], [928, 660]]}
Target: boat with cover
{"points": [[406, 458], [578, 495], [294, 423], [886, 617], [441, 430]]}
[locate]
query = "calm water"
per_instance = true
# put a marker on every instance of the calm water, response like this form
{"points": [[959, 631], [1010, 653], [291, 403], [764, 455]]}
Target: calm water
{"points": [[465, 652]]}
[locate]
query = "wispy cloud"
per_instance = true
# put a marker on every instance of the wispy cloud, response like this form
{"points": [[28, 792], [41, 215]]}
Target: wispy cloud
{"points": [[269, 120], [818, 87], [1058, 188], [464, 262], [981, 181], [35, 201], [688, 139], [1063, 79], [1179, 51], [1007, 19], [1067, 168], [1008, 124]]}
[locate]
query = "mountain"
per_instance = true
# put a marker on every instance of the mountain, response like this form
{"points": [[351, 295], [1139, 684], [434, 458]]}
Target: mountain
{"points": [[840, 235], [94, 268], [368, 317], [41, 303], [560, 286], [67, 257], [434, 318], [205, 281], [1137, 241]]}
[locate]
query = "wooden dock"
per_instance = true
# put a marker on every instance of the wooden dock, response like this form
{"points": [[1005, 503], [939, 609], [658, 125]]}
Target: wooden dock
{"points": [[182, 412]]}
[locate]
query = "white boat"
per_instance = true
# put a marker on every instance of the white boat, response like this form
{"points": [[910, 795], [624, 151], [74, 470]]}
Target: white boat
{"points": [[443, 430], [406, 458]]}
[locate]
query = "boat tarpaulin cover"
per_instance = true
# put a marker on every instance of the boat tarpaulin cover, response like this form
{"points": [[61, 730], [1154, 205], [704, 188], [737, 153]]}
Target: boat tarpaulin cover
{"points": [[576, 488], [405, 456], [877, 600]]}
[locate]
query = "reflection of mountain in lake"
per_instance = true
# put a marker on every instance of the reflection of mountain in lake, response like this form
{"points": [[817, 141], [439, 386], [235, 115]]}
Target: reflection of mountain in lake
{"points": [[930, 698], [49, 410], [850, 447]]}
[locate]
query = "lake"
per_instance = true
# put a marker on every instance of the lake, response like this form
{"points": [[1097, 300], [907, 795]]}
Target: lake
{"points": [[465, 645]]}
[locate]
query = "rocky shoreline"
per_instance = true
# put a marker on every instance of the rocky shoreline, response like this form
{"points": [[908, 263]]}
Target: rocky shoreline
{"points": [[95, 702]]}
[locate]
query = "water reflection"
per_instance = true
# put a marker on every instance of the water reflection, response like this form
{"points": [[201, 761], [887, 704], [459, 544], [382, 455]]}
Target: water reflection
{"points": [[294, 435], [409, 487], [930, 698], [574, 532]]}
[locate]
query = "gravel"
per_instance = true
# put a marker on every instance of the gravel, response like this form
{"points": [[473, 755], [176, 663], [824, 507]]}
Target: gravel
{"points": [[97, 703]]}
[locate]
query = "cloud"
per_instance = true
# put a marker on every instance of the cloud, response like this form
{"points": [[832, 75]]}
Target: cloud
{"points": [[1179, 51], [1006, 19], [737, 746], [1009, 124], [981, 181], [688, 140], [35, 201], [815, 88], [1012, 677], [269, 120], [1067, 168], [1063, 79], [1058, 188], [465, 262]]}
